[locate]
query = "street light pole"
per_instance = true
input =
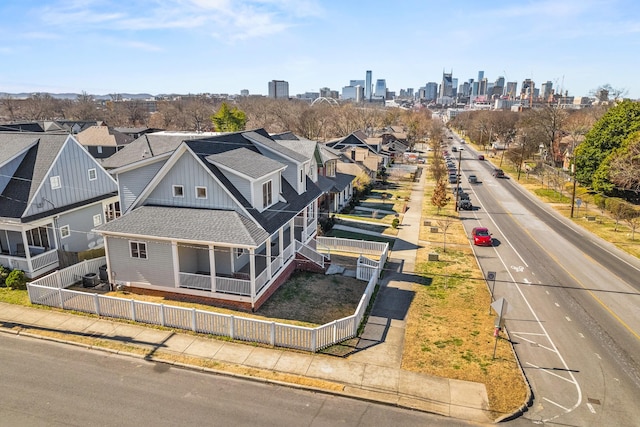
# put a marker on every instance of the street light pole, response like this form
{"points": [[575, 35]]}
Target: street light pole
{"points": [[458, 178]]}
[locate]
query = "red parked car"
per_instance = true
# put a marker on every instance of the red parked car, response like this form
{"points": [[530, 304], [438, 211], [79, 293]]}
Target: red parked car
{"points": [[481, 236], [481, 157]]}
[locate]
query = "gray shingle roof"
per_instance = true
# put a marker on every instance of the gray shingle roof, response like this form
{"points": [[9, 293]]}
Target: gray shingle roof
{"points": [[246, 162], [27, 178], [275, 146], [148, 145], [199, 225]]}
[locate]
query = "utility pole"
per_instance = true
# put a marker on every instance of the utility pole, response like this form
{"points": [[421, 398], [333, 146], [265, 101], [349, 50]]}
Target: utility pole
{"points": [[573, 194]]}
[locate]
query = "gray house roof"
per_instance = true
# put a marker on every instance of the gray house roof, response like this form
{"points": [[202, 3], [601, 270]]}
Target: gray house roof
{"points": [[148, 145], [246, 162], [197, 225], [32, 170], [275, 146]]}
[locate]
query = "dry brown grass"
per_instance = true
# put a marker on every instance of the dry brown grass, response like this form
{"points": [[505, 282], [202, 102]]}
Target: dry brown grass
{"points": [[307, 299], [449, 330]]}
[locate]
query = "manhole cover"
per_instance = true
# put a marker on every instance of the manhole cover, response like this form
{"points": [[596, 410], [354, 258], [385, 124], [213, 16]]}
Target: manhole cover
{"points": [[593, 401]]}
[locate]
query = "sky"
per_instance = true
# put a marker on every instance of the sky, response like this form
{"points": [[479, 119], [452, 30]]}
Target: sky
{"points": [[224, 46]]}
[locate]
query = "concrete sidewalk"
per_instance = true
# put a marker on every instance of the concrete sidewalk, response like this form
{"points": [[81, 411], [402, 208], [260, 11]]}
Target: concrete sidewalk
{"points": [[373, 372]]}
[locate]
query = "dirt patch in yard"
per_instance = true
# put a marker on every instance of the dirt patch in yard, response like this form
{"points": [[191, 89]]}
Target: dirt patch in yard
{"points": [[314, 298]]}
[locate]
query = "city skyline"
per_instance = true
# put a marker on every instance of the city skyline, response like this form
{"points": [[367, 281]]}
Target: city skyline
{"points": [[213, 46]]}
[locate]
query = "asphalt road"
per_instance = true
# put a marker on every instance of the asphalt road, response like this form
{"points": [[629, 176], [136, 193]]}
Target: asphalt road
{"points": [[572, 305], [50, 384]]}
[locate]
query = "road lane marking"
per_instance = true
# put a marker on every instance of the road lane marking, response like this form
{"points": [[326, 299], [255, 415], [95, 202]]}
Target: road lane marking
{"points": [[537, 343], [557, 305], [590, 406], [598, 356], [581, 335], [528, 333], [571, 381], [517, 269], [568, 319], [526, 281], [557, 404]]}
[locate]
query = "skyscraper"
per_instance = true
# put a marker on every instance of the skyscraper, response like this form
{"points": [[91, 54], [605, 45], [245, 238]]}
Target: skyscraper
{"points": [[367, 86], [279, 89], [381, 88], [446, 87]]}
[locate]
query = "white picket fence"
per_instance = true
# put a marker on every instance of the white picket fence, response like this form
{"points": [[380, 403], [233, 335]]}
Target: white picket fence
{"points": [[362, 247], [50, 291]]}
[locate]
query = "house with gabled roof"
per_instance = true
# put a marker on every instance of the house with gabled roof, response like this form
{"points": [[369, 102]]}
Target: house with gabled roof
{"points": [[227, 218], [362, 149], [52, 194], [337, 187], [102, 141]]}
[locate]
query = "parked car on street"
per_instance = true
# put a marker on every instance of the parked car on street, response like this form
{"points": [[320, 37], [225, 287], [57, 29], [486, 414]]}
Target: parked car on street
{"points": [[473, 179], [481, 236], [465, 204], [498, 173], [481, 157]]}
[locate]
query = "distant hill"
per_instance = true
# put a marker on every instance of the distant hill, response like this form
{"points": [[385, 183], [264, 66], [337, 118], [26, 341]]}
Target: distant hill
{"points": [[24, 95]]}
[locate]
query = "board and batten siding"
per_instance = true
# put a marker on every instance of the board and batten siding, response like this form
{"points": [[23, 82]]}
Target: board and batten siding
{"points": [[133, 182], [189, 173], [72, 166], [80, 224], [8, 169], [156, 270], [243, 185]]}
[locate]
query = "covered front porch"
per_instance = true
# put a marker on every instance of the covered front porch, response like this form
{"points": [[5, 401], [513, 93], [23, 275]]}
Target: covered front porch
{"points": [[30, 248], [233, 270]]}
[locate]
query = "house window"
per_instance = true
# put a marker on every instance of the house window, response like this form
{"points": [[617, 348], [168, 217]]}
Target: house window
{"points": [[92, 175], [55, 182], [97, 220], [267, 197], [201, 192], [65, 231], [112, 211], [240, 252], [138, 250], [178, 191], [99, 148], [331, 169], [38, 237]]}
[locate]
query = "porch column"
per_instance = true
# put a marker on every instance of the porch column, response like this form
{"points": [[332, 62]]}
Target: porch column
{"points": [[292, 228], [305, 219], [281, 243], [268, 244], [106, 256], [176, 263], [252, 275], [27, 252], [212, 266]]}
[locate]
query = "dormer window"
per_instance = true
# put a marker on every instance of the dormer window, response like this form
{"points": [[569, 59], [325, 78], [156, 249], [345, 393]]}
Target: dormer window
{"points": [[267, 194], [331, 169], [201, 192]]}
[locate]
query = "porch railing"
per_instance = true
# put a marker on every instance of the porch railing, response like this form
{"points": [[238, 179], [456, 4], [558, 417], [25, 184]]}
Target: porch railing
{"points": [[195, 281], [44, 259], [309, 253], [230, 285]]}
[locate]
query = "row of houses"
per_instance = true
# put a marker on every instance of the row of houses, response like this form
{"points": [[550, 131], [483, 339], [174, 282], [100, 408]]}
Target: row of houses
{"points": [[219, 216]]}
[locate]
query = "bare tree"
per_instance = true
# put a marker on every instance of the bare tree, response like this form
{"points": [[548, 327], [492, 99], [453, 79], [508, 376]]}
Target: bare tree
{"points": [[444, 224]]}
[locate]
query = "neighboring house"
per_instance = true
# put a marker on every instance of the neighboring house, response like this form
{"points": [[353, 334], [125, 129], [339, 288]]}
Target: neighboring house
{"points": [[52, 194], [35, 126], [136, 133], [220, 217], [356, 148], [336, 187], [102, 141]]}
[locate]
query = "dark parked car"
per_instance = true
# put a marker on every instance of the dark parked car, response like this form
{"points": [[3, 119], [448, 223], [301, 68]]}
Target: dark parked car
{"points": [[498, 173], [480, 157], [473, 179], [465, 204]]}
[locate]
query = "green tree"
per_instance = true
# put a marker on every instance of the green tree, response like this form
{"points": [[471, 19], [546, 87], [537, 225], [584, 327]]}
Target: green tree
{"points": [[601, 141], [229, 120], [440, 196]]}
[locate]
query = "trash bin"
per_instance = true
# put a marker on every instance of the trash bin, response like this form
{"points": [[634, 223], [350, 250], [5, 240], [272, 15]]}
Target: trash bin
{"points": [[90, 280], [103, 273]]}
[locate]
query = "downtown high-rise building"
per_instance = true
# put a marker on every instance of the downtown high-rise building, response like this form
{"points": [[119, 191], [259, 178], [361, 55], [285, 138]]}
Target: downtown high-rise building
{"points": [[381, 89], [367, 86], [279, 89]]}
